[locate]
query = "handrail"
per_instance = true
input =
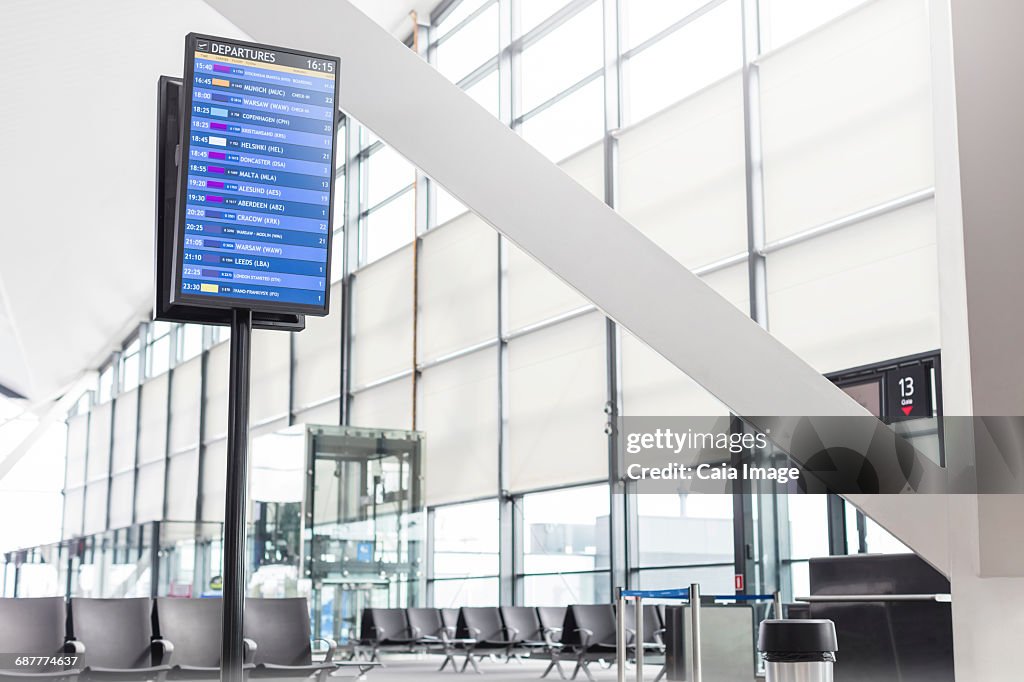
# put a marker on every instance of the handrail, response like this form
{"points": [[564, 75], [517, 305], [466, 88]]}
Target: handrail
{"points": [[818, 598]]}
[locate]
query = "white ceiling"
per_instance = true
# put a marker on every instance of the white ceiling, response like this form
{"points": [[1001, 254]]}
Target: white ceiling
{"points": [[78, 116]]}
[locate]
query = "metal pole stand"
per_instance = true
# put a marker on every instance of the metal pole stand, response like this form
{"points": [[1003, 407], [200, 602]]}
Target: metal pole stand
{"points": [[233, 591], [638, 638], [695, 663], [620, 636]]}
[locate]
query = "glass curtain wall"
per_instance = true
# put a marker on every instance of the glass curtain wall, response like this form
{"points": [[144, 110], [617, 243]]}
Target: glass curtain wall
{"points": [[450, 329]]}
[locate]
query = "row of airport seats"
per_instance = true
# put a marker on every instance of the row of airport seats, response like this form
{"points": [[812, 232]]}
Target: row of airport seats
{"points": [[581, 632], [158, 639]]}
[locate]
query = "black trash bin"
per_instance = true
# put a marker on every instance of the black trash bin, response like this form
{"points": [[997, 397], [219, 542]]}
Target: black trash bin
{"points": [[798, 650]]}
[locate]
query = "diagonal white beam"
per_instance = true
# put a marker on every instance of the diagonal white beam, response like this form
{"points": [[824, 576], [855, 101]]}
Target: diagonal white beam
{"points": [[537, 206]]}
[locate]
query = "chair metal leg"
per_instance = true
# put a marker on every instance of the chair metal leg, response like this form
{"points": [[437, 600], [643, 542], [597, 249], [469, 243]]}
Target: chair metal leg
{"points": [[469, 661], [661, 673]]}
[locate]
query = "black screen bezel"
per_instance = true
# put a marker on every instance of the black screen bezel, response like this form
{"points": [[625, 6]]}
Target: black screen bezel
{"points": [[177, 264]]}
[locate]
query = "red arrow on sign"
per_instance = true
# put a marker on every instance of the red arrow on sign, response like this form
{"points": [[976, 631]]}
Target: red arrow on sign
{"points": [[907, 409]]}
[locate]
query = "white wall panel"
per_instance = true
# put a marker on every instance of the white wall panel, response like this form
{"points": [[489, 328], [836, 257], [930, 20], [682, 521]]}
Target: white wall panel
{"points": [[186, 402], [681, 179], [78, 444], [382, 318], [98, 458], [72, 524], [95, 519], [182, 484], [557, 383], [278, 466], [847, 116], [271, 362], [122, 499], [458, 292], [215, 400], [328, 413], [214, 470], [458, 412], [153, 420], [267, 427], [149, 492], [534, 294], [859, 295], [388, 406], [126, 412], [316, 373]]}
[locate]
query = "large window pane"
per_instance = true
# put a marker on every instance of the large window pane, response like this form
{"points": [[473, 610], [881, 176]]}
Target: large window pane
{"points": [[567, 588], [190, 341], [784, 20], [390, 227], [566, 530], [679, 530], [159, 356], [465, 592], [466, 540], [808, 526], [712, 579], [645, 18], [689, 59], [569, 125], [469, 47], [459, 13], [562, 57], [387, 172], [881, 541], [533, 12]]}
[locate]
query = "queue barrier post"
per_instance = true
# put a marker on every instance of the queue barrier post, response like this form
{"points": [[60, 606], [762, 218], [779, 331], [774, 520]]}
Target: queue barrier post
{"points": [[638, 639], [690, 595], [620, 636], [695, 662]]}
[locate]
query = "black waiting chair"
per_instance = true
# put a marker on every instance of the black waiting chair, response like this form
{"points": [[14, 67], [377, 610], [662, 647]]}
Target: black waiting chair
{"points": [[551, 620], [386, 630], [432, 635], [118, 639], [280, 633], [524, 631], [481, 633], [37, 626], [450, 618], [193, 626], [589, 632]]}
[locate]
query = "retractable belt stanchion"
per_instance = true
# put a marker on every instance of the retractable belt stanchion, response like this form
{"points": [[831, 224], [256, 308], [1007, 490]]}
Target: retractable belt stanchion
{"points": [[692, 596], [695, 663], [620, 635], [638, 639]]}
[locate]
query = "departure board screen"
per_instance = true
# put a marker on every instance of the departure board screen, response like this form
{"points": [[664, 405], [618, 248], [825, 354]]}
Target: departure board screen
{"points": [[254, 219]]}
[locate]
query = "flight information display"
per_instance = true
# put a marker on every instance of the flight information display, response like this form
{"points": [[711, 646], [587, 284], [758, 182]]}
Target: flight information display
{"points": [[254, 219]]}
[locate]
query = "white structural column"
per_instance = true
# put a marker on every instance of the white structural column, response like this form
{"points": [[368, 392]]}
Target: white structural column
{"points": [[572, 233], [979, 143]]}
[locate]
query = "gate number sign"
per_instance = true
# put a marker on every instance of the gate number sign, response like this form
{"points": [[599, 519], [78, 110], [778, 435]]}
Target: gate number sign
{"points": [[909, 392]]}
